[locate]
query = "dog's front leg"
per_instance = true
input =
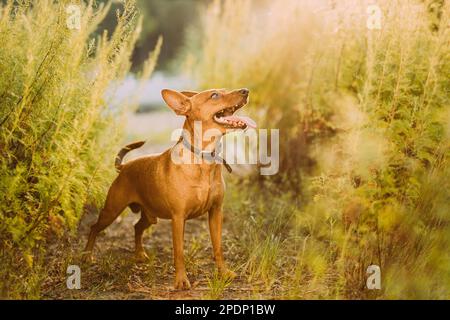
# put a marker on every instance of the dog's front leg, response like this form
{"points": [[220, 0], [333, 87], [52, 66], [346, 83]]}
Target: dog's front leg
{"points": [[215, 219], [181, 279]]}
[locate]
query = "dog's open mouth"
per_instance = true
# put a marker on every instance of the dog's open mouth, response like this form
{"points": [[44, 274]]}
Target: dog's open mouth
{"points": [[227, 118]]}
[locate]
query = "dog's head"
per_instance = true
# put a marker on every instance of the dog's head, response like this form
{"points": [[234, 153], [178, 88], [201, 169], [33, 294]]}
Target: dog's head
{"points": [[215, 108]]}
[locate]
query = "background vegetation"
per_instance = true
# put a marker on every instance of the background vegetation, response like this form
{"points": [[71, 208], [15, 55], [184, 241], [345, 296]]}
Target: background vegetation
{"points": [[57, 134], [364, 121], [174, 19]]}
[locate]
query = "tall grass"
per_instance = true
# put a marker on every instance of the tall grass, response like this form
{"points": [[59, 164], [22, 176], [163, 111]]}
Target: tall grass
{"points": [[57, 132], [364, 122]]}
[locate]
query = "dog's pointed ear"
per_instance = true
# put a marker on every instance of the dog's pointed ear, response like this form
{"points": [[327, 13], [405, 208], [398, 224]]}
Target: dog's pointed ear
{"points": [[176, 101], [189, 93]]}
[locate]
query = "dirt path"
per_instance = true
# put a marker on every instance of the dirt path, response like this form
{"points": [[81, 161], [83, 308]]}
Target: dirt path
{"points": [[116, 275]]}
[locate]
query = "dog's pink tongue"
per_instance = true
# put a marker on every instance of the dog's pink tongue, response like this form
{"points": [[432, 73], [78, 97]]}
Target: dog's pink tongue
{"points": [[249, 122]]}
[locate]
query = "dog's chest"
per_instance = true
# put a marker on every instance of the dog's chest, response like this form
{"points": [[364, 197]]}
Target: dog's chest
{"points": [[206, 191]]}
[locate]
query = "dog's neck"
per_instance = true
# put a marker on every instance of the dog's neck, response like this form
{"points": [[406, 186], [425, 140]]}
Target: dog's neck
{"points": [[202, 149], [195, 136]]}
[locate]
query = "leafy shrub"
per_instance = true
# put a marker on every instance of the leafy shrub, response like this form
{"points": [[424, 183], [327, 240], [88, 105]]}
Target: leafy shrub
{"points": [[57, 133], [364, 120]]}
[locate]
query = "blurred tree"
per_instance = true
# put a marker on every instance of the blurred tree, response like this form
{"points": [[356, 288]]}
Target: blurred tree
{"points": [[169, 18]]}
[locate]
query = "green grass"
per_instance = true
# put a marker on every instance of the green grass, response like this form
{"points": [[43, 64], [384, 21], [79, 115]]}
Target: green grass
{"points": [[217, 285]]}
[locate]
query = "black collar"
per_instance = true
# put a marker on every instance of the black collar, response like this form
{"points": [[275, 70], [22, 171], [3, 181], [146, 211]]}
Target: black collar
{"points": [[208, 155]]}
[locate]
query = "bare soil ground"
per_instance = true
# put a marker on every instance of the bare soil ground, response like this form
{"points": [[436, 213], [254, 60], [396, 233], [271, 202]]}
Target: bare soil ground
{"points": [[116, 275]]}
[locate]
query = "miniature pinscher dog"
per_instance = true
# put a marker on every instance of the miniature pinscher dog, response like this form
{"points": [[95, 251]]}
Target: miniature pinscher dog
{"points": [[159, 187]]}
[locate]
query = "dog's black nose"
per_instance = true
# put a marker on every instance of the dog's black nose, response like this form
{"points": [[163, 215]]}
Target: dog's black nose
{"points": [[244, 91]]}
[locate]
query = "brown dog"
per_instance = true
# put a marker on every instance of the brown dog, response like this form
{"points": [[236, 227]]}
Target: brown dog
{"points": [[160, 187]]}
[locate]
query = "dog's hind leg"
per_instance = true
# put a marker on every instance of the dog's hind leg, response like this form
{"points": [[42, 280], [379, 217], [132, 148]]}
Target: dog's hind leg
{"points": [[144, 223], [116, 201]]}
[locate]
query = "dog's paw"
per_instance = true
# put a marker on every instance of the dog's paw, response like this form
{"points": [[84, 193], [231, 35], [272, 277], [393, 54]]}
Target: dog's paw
{"points": [[227, 273], [182, 282], [141, 256], [87, 257]]}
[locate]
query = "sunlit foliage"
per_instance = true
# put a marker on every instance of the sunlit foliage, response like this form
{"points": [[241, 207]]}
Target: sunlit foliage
{"points": [[363, 115], [58, 135]]}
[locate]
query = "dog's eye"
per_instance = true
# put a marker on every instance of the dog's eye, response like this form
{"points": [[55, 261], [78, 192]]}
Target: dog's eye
{"points": [[215, 95]]}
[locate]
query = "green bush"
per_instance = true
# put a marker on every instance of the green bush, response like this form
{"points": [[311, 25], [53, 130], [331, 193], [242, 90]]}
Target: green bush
{"points": [[58, 135], [364, 121]]}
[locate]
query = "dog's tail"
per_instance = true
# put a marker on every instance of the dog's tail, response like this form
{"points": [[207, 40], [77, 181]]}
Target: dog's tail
{"points": [[124, 151]]}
